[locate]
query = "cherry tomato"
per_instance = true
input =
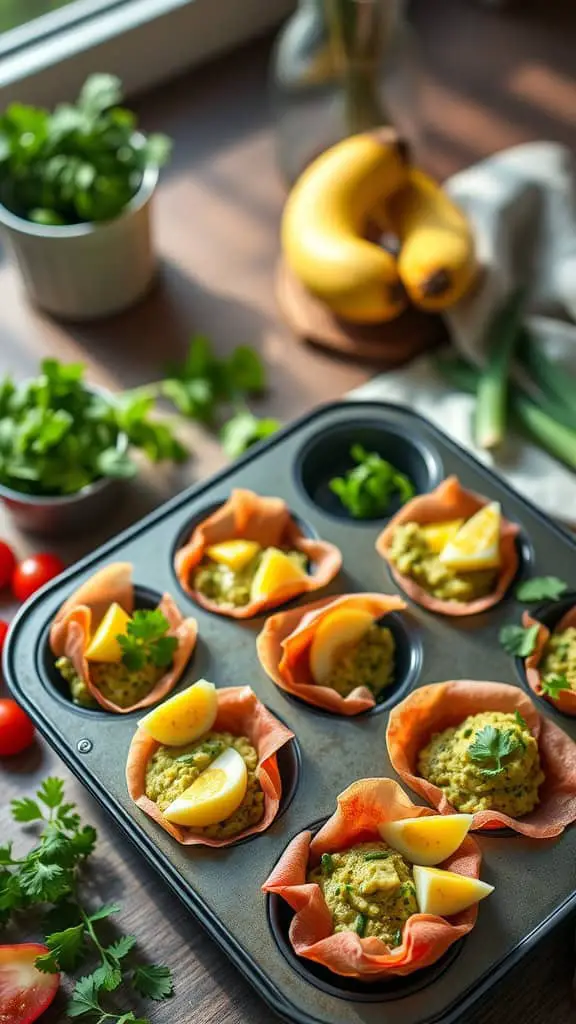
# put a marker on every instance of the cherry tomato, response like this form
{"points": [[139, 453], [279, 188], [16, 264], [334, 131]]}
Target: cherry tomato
{"points": [[25, 992], [16, 730], [33, 572], [7, 563], [4, 627]]}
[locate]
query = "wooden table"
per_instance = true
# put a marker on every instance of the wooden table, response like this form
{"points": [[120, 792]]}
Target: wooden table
{"points": [[492, 80]]}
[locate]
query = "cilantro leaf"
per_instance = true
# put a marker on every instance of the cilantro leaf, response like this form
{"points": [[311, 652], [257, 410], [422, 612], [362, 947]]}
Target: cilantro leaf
{"points": [[243, 430], [554, 684], [25, 810], [122, 947], [146, 642], [106, 910], [84, 997], [44, 882], [246, 371], [6, 854], [66, 950], [108, 976], [519, 641], [520, 720], [541, 588], [153, 981], [368, 488], [51, 792], [492, 745]]}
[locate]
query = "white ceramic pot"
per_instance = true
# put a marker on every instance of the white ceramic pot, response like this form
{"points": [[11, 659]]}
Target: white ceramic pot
{"points": [[86, 271]]}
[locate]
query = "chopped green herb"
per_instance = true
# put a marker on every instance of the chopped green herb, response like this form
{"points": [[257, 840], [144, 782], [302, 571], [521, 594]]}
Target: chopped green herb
{"points": [[541, 588], [50, 873], [327, 864], [244, 430], [492, 746], [360, 925], [467, 733], [368, 488], [146, 641], [520, 721], [397, 938], [553, 685], [376, 855], [519, 641]]}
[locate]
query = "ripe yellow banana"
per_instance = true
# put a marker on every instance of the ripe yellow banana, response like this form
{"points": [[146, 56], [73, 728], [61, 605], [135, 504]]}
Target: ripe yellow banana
{"points": [[437, 263], [326, 217]]}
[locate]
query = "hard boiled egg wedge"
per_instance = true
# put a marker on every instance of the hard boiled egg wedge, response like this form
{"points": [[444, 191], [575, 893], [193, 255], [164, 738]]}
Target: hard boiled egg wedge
{"points": [[214, 795], [104, 646], [235, 554], [477, 544], [275, 572], [446, 893], [184, 717], [342, 628], [426, 840]]}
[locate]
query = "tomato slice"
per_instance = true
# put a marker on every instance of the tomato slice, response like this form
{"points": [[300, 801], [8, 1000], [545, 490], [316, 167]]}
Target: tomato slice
{"points": [[25, 992]]}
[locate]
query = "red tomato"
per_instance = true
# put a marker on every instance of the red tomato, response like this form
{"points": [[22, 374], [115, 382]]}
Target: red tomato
{"points": [[33, 572], [16, 732], [25, 992], [7, 563], [4, 627]]}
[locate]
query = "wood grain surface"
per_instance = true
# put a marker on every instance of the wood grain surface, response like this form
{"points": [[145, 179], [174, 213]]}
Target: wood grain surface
{"points": [[491, 80]]}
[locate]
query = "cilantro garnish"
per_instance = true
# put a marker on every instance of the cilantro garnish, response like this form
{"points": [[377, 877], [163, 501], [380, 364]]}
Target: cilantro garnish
{"points": [[520, 720], [541, 588], [146, 641], [397, 938], [81, 162], [243, 430], [327, 864], [519, 641], [553, 685], [367, 489], [50, 874], [492, 745], [359, 925]]}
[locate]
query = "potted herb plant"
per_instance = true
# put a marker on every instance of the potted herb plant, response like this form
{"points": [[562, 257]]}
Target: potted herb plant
{"points": [[76, 186]]}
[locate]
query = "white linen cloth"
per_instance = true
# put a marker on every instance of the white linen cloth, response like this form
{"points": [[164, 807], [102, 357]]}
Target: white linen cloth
{"points": [[522, 203]]}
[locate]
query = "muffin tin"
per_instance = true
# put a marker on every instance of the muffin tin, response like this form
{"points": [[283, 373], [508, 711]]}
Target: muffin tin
{"points": [[534, 880]]}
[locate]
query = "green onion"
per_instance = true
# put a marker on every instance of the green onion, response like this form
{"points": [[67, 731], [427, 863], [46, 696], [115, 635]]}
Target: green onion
{"points": [[557, 382], [493, 383], [360, 925], [327, 864], [377, 855]]}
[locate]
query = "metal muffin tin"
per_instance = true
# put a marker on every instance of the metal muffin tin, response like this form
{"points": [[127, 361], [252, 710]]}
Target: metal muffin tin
{"points": [[221, 887]]}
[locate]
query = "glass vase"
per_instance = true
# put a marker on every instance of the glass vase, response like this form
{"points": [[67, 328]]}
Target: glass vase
{"points": [[341, 67]]}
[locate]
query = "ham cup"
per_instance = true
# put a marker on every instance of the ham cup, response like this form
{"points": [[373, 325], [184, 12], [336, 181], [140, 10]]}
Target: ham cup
{"points": [[79, 617], [286, 640], [238, 712], [450, 501], [432, 709], [425, 937], [267, 521], [566, 699]]}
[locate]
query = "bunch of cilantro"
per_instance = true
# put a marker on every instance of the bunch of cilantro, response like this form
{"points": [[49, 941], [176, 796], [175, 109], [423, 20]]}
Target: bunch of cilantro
{"points": [[83, 162], [47, 879], [57, 435]]}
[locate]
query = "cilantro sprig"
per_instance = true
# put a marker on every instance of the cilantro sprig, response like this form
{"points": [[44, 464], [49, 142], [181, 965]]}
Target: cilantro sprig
{"points": [[146, 642], [518, 640], [541, 588], [367, 489], [554, 684], [49, 876], [489, 748], [83, 162]]}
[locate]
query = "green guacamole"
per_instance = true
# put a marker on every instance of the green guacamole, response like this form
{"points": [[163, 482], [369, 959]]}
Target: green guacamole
{"points": [[171, 770], [117, 683], [368, 663], [446, 762], [559, 658], [412, 557], [226, 586], [369, 890]]}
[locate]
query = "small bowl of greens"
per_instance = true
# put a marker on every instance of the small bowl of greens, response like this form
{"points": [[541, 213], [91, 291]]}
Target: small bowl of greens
{"points": [[65, 447]]}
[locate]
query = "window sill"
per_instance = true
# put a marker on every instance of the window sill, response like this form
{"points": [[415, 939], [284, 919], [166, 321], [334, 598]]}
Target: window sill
{"points": [[145, 42]]}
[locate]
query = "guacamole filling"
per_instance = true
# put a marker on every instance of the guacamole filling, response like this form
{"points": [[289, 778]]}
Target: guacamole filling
{"points": [[411, 555], [226, 586], [171, 770], [490, 762], [559, 657], [116, 682], [369, 663], [369, 889]]}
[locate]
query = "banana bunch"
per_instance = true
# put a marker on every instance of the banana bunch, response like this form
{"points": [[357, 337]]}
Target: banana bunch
{"points": [[364, 181]]}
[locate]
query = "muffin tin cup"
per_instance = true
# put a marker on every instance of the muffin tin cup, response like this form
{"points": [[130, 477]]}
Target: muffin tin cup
{"points": [[549, 613], [221, 888]]}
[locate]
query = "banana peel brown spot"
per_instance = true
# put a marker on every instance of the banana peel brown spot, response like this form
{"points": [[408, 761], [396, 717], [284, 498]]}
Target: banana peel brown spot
{"points": [[437, 284]]}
